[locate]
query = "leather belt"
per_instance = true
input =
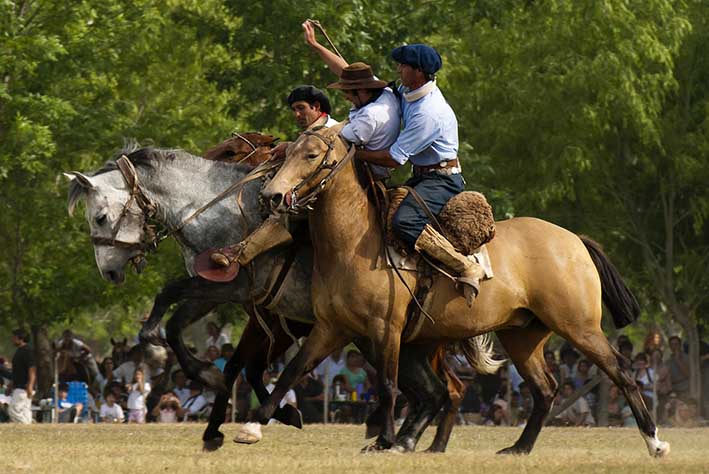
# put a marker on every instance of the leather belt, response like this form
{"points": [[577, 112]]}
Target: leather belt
{"points": [[443, 165]]}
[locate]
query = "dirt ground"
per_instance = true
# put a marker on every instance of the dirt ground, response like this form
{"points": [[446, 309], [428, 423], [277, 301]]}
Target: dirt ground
{"points": [[117, 449]]}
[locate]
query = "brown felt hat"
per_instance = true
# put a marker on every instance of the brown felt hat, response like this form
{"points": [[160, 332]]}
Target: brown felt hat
{"points": [[357, 76]]}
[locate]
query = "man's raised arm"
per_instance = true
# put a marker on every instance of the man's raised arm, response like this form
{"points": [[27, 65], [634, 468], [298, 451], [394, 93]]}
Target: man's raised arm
{"points": [[333, 61]]}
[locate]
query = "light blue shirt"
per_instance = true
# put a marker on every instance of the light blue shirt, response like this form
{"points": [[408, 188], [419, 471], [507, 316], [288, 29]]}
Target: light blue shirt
{"points": [[430, 133]]}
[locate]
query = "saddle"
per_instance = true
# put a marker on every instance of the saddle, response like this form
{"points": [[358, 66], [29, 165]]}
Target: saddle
{"points": [[249, 148]]}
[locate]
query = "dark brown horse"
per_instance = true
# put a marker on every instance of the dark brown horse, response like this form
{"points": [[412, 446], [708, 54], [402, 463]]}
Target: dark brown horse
{"points": [[547, 279]]}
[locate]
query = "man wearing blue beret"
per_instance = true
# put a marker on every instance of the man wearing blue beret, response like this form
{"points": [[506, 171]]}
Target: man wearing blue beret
{"points": [[429, 140]]}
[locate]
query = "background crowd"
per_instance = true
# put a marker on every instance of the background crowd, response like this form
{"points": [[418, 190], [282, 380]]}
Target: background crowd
{"points": [[122, 388]]}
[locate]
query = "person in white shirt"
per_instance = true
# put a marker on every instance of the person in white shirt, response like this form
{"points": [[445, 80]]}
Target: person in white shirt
{"points": [[330, 367], [139, 391], [195, 404], [269, 379], [216, 337], [180, 388], [111, 412]]}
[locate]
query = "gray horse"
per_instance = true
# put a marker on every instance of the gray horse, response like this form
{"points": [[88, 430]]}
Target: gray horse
{"points": [[176, 184]]}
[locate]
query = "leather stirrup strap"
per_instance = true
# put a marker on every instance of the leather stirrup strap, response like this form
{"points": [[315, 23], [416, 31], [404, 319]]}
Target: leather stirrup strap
{"points": [[431, 217]]}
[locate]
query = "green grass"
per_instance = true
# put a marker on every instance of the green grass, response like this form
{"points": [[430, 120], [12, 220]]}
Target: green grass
{"points": [[147, 449]]}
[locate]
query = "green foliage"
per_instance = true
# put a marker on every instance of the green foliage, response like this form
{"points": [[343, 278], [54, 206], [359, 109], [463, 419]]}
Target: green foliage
{"points": [[590, 114]]}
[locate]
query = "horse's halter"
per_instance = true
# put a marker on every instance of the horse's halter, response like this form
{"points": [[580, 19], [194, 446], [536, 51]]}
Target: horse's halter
{"points": [[148, 208], [296, 204]]}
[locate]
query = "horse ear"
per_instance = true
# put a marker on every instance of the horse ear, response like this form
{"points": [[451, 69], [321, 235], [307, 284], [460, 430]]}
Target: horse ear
{"points": [[125, 341], [113, 343], [83, 180]]}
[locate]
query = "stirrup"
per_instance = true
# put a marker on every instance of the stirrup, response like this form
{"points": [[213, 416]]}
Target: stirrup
{"points": [[220, 259]]}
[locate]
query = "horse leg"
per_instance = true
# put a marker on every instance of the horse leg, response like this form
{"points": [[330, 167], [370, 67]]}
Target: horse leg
{"points": [[194, 368], [419, 382], [386, 340], [250, 345], [173, 292], [321, 342], [594, 344], [456, 390], [525, 347], [288, 415]]}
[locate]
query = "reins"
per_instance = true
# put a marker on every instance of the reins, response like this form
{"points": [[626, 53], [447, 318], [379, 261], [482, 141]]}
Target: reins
{"points": [[297, 204]]}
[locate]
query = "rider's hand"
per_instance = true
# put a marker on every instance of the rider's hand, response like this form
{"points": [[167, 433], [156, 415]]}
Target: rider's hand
{"points": [[279, 151], [309, 35]]}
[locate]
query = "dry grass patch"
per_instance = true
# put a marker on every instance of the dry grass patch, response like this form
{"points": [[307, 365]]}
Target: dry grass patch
{"points": [[147, 449]]}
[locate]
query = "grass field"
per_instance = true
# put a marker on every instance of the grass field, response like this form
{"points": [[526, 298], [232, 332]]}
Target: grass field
{"points": [[112, 449]]}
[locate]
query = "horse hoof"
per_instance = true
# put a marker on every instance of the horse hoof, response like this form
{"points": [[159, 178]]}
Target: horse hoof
{"points": [[211, 445], [375, 448], [513, 450], [662, 449], [289, 415], [250, 433], [398, 449], [213, 378], [435, 449], [372, 431]]}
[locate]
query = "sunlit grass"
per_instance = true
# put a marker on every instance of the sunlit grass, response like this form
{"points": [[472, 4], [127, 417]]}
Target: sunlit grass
{"points": [[115, 449]]}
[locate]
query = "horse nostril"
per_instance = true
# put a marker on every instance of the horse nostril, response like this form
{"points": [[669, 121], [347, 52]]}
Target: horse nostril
{"points": [[276, 200]]}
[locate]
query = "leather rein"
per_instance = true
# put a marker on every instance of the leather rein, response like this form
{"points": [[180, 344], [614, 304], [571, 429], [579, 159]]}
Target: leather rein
{"points": [[296, 204]]}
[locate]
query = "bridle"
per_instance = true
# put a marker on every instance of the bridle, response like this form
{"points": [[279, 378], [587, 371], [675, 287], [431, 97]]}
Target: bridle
{"points": [[148, 209], [296, 204], [151, 239]]}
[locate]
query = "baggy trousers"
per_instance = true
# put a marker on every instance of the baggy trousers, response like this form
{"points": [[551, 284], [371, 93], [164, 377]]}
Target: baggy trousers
{"points": [[435, 189]]}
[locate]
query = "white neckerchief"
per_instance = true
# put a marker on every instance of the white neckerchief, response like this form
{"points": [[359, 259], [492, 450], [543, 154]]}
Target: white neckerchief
{"points": [[414, 95]]}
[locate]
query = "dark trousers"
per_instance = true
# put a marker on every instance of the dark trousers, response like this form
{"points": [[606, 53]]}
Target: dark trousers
{"points": [[435, 190]]}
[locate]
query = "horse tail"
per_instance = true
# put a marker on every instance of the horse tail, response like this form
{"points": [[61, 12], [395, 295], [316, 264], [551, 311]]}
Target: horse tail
{"points": [[478, 351], [616, 295]]}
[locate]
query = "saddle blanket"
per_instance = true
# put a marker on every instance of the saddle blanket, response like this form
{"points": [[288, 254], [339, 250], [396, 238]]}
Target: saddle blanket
{"points": [[409, 263]]}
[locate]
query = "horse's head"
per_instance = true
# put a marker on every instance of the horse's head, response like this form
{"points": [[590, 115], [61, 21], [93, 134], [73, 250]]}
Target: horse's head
{"points": [[310, 162], [250, 148], [116, 222]]}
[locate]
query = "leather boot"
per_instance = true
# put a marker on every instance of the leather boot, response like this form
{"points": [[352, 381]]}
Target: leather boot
{"points": [[469, 273], [271, 233]]}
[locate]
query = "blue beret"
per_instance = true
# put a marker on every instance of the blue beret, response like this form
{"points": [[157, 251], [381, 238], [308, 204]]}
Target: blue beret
{"points": [[419, 56]]}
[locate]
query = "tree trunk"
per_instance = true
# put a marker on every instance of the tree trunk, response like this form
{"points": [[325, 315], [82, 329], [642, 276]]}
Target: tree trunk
{"points": [[43, 355]]}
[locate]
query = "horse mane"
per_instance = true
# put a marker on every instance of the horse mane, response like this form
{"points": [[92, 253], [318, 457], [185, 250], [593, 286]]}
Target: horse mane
{"points": [[141, 157]]}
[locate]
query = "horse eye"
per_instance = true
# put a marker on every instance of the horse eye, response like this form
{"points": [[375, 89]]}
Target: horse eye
{"points": [[312, 156], [101, 220]]}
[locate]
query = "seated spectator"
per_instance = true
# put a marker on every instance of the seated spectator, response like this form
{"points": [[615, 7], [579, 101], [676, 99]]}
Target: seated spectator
{"points": [[686, 414], [552, 364], [616, 403], [497, 415], [180, 389], [137, 394], [195, 405], [212, 353], [68, 412], [330, 366], [227, 352], [579, 413], [339, 382], [105, 375], [569, 357], [119, 394], [645, 378], [166, 411], [111, 412], [216, 337], [356, 379]]}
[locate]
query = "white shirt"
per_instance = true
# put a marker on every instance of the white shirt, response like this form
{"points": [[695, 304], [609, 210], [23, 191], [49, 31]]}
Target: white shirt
{"points": [[218, 341], [182, 394], [194, 404], [136, 400], [376, 125], [115, 412]]}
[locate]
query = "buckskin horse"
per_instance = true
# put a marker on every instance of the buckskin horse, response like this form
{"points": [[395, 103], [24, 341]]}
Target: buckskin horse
{"points": [[547, 279], [170, 185]]}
